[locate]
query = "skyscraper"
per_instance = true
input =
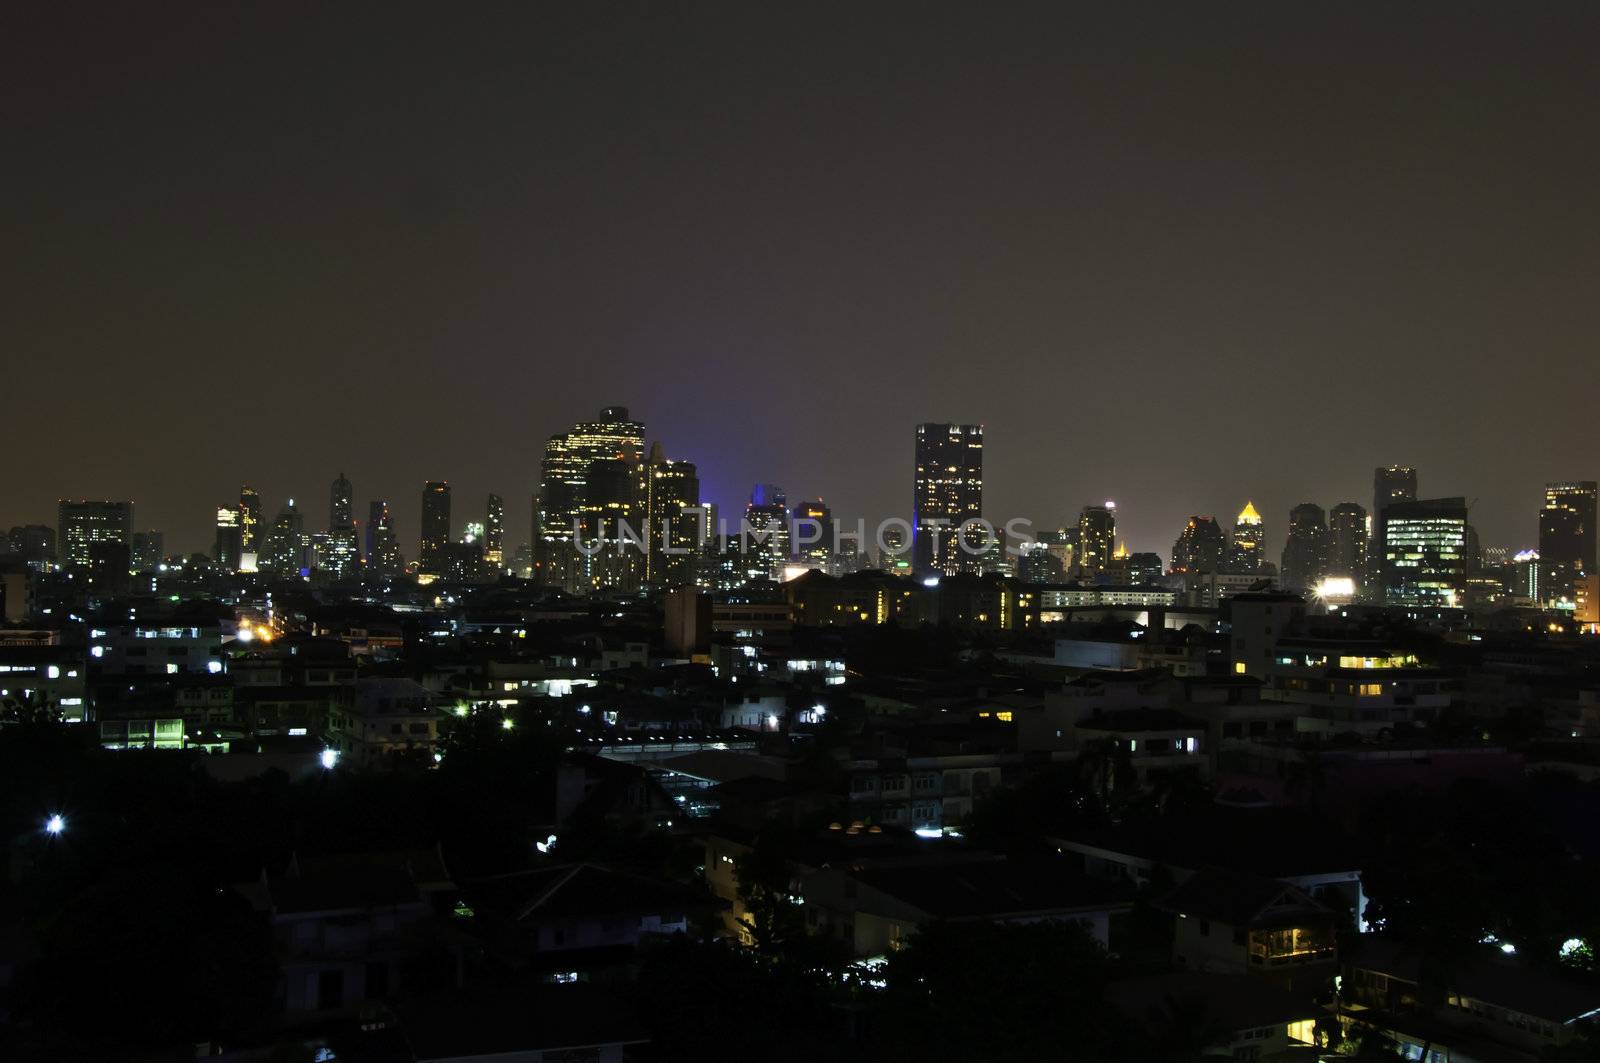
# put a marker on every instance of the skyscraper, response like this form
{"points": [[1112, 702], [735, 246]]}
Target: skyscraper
{"points": [[1424, 543], [766, 542], [947, 492], [1566, 538], [1305, 551], [435, 526], [228, 546], [285, 544], [563, 475], [1390, 484], [671, 491], [494, 533], [383, 548], [611, 508], [1249, 536], [146, 551], [1097, 537], [81, 525], [251, 530], [341, 554], [1347, 542], [1200, 546], [812, 523]]}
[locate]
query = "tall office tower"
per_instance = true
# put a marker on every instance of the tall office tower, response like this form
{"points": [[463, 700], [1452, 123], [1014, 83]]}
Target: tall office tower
{"points": [[283, 551], [1143, 568], [341, 504], [765, 536], [1063, 546], [251, 531], [1249, 537], [1037, 564], [812, 524], [609, 512], [1347, 543], [229, 533], [435, 526], [1200, 546], [383, 546], [80, 525], [146, 550], [676, 522], [1390, 484], [947, 492], [341, 551], [494, 534], [563, 473], [35, 544], [1097, 538], [1424, 551], [1566, 538], [1305, 552]]}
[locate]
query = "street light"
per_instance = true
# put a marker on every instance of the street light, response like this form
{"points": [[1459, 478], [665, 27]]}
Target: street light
{"points": [[330, 758], [55, 824]]}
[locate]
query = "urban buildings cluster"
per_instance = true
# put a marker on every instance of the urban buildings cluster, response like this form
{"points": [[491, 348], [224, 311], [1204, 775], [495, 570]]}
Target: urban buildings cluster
{"points": [[568, 799]]}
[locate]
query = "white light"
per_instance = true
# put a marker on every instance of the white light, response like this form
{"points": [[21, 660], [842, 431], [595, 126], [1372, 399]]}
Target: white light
{"points": [[819, 710], [928, 833], [245, 634], [931, 581], [1508, 948], [507, 723], [214, 667], [55, 824], [330, 757]]}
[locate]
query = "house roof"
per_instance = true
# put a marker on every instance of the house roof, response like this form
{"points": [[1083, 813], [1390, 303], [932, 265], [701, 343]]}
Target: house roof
{"points": [[1241, 899], [1487, 975], [575, 891], [975, 889]]}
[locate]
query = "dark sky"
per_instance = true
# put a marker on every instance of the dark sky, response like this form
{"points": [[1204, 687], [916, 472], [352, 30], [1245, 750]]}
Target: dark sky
{"points": [[1176, 257]]}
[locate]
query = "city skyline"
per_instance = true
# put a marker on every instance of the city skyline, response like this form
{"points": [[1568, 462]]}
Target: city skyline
{"points": [[1081, 253]]}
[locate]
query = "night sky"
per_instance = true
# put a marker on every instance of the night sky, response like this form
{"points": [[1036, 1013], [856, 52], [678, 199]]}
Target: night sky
{"points": [[1179, 259]]}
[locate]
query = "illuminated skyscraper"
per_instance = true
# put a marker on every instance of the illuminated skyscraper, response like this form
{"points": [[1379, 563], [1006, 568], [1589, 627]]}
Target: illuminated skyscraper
{"points": [[563, 474], [341, 511], [81, 525], [1200, 546], [341, 552], [1566, 538], [947, 492], [1390, 484], [1097, 538], [494, 533], [435, 527], [146, 551], [677, 530], [812, 523], [251, 530], [1305, 551], [610, 510], [1425, 544], [283, 551], [1347, 543], [766, 535], [228, 547], [1249, 535], [383, 548]]}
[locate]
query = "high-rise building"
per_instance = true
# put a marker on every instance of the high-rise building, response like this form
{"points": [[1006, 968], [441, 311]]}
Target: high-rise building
{"points": [[1390, 484], [611, 510], [229, 536], [435, 526], [563, 475], [1097, 538], [765, 537], [1249, 538], [494, 533], [286, 545], [252, 532], [1566, 538], [341, 551], [1424, 543], [947, 492], [1347, 543], [341, 504], [812, 525], [1305, 551], [383, 546], [146, 550], [677, 526], [80, 525], [1200, 546]]}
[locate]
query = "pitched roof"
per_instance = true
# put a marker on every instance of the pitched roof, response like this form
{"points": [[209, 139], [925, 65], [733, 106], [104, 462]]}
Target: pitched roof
{"points": [[975, 889], [573, 891], [1232, 1001], [1240, 899], [1487, 976]]}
